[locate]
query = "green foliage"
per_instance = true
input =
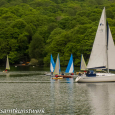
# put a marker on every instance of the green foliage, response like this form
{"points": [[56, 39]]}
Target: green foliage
{"points": [[3, 11], [13, 45], [28, 33], [99, 2], [110, 14], [38, 28], [33, 61], [19, 24], [2, 2], [22, 42], [13, 56], [9, 33], [4, 48], [36, 49]]}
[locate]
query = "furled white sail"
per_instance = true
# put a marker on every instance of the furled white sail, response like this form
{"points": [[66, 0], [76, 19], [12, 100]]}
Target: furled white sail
{"points": [[70, 67], [7, 63], [57, 66], [83, 64], [98, 57]]}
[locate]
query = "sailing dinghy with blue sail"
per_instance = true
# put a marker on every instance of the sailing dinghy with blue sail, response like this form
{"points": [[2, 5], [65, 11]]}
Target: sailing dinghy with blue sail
{"points": [[69, 69], [102, 54], [52, 65]]}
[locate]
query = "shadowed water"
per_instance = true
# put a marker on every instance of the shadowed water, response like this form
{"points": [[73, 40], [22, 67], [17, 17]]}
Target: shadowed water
{"points": [[56, 97]]}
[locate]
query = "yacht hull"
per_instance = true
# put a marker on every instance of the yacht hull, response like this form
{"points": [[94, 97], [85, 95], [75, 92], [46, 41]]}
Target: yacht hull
{"points": [[96, 79]]}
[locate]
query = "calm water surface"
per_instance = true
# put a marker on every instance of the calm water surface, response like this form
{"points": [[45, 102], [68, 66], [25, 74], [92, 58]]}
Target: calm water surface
{"points": [[56, 97]]}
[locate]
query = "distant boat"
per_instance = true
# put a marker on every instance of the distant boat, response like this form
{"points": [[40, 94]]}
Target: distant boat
{"points": [[102, 55], [7, 64]]}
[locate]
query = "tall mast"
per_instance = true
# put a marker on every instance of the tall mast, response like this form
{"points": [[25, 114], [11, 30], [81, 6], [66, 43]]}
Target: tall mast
{"points": [[107, 46]]}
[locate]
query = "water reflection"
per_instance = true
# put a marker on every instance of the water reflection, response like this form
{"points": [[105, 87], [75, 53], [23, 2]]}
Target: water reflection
{"points": [[102, 98], [7, 75], [62, 96], [70, 95]]}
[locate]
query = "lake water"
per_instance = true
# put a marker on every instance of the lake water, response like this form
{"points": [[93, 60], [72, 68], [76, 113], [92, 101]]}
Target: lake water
{"points": [[53, 97]]}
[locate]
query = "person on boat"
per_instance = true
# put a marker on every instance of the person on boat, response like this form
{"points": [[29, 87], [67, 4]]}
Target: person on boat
{"points": [[88, 72], [51, 73], [79, 74], [72, 74], [62, 74]]}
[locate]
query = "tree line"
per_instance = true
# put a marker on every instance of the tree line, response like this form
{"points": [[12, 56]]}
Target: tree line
{"points": [[35, 29]]}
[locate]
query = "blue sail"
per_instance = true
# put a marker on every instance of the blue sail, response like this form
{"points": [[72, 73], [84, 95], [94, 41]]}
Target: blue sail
{"points": [[70, 67], [52, 64]]}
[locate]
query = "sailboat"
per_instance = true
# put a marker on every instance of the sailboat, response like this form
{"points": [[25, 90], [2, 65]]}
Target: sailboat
{"points": [[82, 65], [57, 66], [57, 69], [102, 54], [7, 65], [52, 66], [69, 69]]}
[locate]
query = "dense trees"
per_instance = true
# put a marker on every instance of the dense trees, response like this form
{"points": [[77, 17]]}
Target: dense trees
{"points": [[35, 29], [36, 49]]}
